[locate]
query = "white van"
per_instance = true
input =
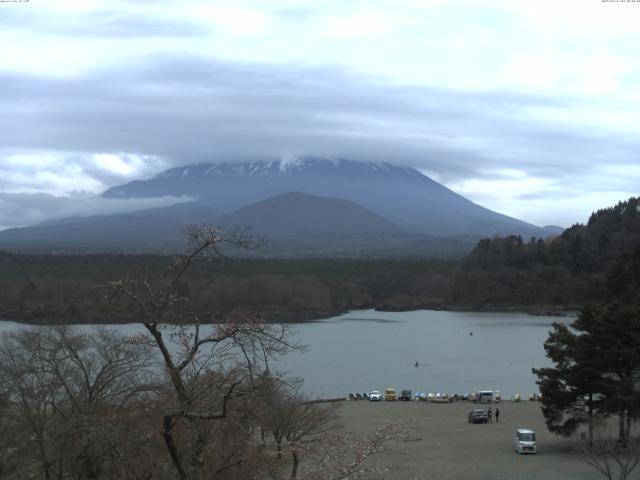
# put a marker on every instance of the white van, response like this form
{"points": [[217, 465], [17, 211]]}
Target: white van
{"points": [[485, 396], [525, 441]]}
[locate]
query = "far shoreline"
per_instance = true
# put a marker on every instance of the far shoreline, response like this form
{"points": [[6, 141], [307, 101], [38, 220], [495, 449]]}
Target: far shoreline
{"points": [[293, 319]]}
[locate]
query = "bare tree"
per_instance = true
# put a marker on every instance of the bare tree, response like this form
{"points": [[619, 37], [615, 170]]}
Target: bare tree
{"points": [[29, 395], [62, 389], [182, 397], [208, 368], [614, 459], [275, 412], [308, 420], [289, 416], [5, 433], [103, 374], [306, 426]]}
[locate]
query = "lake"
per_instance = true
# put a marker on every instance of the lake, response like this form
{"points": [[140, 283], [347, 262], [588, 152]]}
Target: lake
{"points": [[457, 352]]}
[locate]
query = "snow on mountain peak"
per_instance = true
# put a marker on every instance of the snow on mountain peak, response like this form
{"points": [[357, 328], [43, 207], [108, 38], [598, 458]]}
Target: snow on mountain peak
{"points": [[286, 165], [288, 162]]}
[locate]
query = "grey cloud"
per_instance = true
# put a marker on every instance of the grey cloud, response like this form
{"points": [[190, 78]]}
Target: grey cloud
{"points": [[18, 209], [542, 195], [137, 25], [61, 174], [149, 167], [106, 23], [194, 109]]}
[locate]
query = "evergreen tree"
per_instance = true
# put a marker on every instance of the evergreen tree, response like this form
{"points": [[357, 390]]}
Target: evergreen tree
{"points": [[597, 359], [573, 389]]}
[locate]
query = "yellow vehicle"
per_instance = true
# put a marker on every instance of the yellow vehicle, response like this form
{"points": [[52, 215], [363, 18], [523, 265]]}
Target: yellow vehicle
{"points": [[390, 394]]}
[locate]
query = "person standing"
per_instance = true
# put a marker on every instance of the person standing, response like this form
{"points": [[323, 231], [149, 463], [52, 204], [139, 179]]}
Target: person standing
{"points": [[497, 415], [490, 415]]}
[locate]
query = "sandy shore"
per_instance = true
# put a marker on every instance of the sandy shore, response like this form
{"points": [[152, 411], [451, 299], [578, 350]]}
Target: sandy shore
{"points": [[446, 446]]}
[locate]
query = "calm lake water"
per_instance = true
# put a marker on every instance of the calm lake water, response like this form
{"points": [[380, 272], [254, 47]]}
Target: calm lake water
{"points": [[457, 352], [365, 350]]}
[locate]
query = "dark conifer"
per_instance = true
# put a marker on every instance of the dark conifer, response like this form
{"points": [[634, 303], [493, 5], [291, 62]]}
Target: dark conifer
{"points": [[597, 359]]}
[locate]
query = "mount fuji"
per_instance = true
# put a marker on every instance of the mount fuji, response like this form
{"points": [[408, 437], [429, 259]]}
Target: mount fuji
{"points": [[307, 206], [403, 195]]}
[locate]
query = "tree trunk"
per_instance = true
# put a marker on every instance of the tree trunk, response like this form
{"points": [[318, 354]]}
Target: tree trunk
{"points": [[622, 427], [60, 461], [43, 459], [169, 441], [278, 440], [196, 463], [590, 413], [296, 462]]}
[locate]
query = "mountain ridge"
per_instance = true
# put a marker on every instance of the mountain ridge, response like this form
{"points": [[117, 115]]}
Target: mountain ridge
{"points": [[292, 225], [307, 214], [403, 195], [307, 206]]}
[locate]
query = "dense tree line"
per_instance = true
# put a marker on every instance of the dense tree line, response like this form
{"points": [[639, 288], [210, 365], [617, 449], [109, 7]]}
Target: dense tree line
{"points": [[501, 273], [51, 288], [560, 272]]}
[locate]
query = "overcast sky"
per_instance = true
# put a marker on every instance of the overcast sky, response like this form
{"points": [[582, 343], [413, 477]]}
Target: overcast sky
{"points": [[530, 108]]}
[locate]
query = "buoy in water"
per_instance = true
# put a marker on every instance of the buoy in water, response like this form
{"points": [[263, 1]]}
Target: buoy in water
{"points": [[471, 334], [416, 365]]}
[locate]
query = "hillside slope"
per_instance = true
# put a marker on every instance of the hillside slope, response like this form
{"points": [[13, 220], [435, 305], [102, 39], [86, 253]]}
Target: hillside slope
{"points": [[296, 213], [566, 271], [156, 230], [403, 195]]}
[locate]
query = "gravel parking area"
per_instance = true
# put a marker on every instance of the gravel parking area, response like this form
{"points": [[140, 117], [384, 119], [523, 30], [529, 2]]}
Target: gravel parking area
{"points": [[446, 446]]}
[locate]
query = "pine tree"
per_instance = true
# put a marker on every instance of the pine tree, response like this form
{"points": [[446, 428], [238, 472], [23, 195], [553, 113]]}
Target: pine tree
{"points": [[597, 359], [573, 389]]}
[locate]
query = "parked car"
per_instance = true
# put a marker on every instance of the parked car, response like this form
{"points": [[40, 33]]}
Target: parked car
{"points": [[405, 395], [390, 394], [375, 396], [525, 441], [478, 416]]}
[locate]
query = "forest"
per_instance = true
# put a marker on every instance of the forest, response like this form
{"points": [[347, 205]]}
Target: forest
{"points": [[538, 275]]}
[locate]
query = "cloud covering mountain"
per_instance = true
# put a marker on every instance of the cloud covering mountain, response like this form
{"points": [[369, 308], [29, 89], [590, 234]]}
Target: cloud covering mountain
{"points": [[518, 108]]}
